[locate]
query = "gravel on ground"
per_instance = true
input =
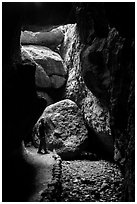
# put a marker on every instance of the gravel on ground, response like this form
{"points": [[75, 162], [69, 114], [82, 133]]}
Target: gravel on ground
{"points": [[91, 181]]}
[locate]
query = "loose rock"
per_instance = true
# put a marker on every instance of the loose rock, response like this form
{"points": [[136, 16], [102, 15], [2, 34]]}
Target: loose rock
{"points": [[95, 184]]}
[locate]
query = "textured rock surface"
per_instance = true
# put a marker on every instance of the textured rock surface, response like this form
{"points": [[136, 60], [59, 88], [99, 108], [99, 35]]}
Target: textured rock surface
{"points": [[49, 39], [95, 68], [121, 65], [95, 114], [91, 181], [66, 131], [91, 20], [114, 56], [50, 69], [86, 181]]}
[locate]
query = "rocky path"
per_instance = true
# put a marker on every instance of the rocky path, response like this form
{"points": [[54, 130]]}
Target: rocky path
{"points": [[90, 181], [73, 181], [86, 181], [43, 165]]}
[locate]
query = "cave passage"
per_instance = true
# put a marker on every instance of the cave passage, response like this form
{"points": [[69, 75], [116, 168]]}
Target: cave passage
{"points": [[68, 102]]}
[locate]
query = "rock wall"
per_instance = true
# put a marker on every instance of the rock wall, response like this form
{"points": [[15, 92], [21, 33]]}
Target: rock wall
{"points": [[123, 114], [110, 59], [87, 48], [95, 114], [101, 73]]}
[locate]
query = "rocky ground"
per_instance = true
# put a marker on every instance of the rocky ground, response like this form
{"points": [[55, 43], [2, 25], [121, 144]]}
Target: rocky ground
{"points": [[85, 181], [42, 166], [91, 181]]}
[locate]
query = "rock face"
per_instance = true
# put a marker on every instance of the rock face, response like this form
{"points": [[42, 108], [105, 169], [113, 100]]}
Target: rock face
{"points": [[94, 67], [95, 114], [66, 131], [91, 21], [19, 97], [90, 181], [50, 69], [123, 113], [105, 65], [108, 63], [49, 39]]}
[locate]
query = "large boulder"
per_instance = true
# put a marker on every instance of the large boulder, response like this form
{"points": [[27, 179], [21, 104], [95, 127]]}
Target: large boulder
{"points": [[66, 131], [50, 69], [49, 39]]}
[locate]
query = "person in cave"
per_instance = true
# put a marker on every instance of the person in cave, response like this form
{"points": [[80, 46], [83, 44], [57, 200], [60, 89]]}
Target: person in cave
{"points": [[42, 145]]}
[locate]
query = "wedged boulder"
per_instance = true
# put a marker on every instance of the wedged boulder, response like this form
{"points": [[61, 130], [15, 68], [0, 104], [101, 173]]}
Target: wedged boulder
{"points": [[50, 69], [66, 131], [49, 39]]}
